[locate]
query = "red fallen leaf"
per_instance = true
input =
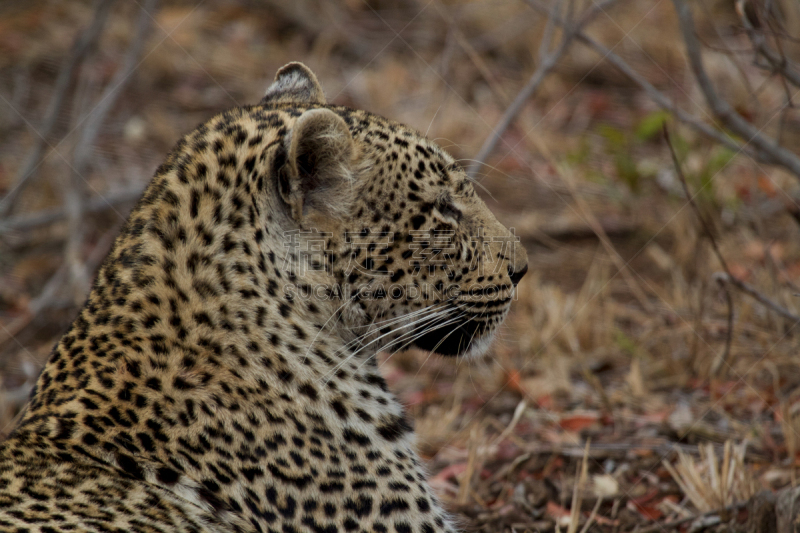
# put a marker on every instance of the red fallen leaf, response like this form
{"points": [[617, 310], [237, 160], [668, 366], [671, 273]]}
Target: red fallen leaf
{"points": [[603, 521], [556, 511], [551, 466], [646, 497], [545, 401], [514, 381], [579, 422], [647, 511], [450, 471], [599, 103], [655, 417], [739, 271], [719, 389], [698, 384], [745, 112], [743, 192], [766, 186]]}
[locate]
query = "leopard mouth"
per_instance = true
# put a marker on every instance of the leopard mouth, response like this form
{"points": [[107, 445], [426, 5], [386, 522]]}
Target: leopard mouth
{"points": [[471, 335], [450, 340]]}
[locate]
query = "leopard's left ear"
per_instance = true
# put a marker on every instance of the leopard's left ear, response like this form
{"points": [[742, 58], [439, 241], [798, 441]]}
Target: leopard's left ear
{"points": [[294, 83], [317, 172]]}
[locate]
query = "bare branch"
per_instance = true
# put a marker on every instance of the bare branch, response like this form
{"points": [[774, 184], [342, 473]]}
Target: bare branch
{"points": [[48, 297], [657, 96], [718, 362], [114, 89], [473, 55], [666, 103], [49, 216], [769, 151], [777, 61], [80, 50], [74, 191], [751, 291], [547, 61]]}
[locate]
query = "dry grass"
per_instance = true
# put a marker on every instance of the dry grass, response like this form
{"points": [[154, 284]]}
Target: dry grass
{"points": [[617, 327], [712, 484]]}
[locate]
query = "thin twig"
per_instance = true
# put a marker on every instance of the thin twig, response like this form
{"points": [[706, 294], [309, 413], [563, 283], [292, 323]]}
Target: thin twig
{"points": [[547, 61], [81, 48], [727, 50], [113, 90], [725, 277], [778, 62], [665, 526], [473, 55], [769, 150], [718, 362]]}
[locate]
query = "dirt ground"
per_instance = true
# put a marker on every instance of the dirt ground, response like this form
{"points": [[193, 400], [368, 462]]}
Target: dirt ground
{"points": [[618, 397]]}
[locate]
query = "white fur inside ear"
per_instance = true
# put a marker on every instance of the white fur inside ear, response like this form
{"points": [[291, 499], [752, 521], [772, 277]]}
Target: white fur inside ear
{"points": [[295, 83]]}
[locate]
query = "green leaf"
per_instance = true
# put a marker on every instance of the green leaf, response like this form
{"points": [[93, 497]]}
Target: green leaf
{"points": [[650, 126], [616, 138]]}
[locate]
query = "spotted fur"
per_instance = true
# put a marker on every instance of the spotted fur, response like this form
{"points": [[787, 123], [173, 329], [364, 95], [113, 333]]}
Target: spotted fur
{"points": [[221, 375]]}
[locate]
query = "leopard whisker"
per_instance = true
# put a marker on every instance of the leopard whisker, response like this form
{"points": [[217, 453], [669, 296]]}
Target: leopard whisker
{"points": [[435, 314], [420, 334]]}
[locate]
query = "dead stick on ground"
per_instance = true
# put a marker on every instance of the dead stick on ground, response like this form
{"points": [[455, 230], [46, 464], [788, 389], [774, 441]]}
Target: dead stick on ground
{"points": [[665, 526], [723, 358], [581, 483]]}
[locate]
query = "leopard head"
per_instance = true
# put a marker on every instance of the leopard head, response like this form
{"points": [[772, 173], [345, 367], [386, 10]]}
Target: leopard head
{"points": [[387, 226]]}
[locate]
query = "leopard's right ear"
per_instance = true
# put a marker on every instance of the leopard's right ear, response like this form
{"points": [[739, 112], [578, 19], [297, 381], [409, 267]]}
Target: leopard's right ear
{"points": [[294, 83]]}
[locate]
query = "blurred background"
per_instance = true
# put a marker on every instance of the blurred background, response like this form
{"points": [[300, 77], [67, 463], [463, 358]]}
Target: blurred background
{"points": [[648, 375]]}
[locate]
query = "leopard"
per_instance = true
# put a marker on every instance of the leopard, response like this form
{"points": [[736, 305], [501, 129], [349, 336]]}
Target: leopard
{"points": [[224, 372]]}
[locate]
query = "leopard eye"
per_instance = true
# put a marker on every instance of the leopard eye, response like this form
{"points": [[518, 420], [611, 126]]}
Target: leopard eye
{"points": [[447, 209]]}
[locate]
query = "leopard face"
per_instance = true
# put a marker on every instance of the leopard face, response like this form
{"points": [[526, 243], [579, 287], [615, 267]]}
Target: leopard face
{"points": [[412, 255]]}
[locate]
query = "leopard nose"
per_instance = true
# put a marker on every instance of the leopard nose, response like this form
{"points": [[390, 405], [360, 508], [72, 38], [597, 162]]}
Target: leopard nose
{"points": [[516, 276]]}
